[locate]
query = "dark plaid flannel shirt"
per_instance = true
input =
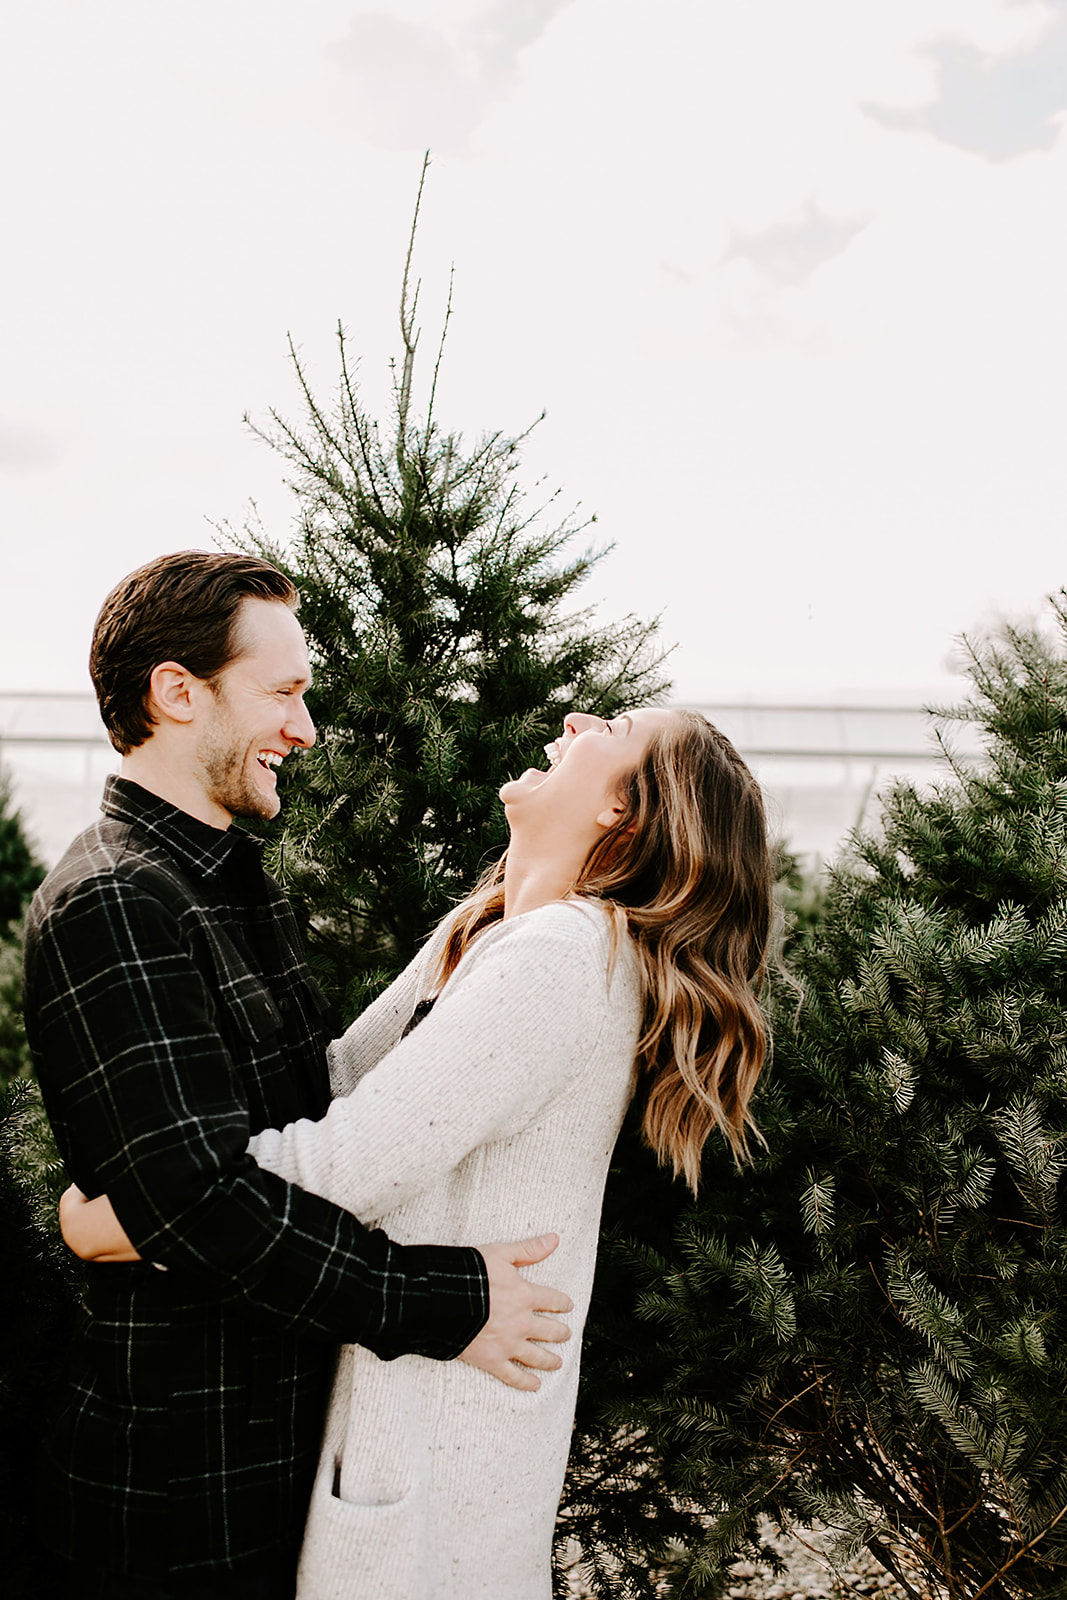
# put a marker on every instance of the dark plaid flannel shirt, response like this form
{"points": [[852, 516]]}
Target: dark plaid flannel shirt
{"points": [[171, 1015]]}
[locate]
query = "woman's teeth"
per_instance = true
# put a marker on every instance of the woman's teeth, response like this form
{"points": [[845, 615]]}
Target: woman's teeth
{"points": [[552, 752]]}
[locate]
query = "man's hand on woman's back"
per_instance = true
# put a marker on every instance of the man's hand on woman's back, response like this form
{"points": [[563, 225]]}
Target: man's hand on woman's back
{"points": [[516, 1336]]}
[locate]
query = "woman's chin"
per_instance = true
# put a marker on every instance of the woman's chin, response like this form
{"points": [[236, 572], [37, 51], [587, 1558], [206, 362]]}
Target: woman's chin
{"points": [[515, 788]]}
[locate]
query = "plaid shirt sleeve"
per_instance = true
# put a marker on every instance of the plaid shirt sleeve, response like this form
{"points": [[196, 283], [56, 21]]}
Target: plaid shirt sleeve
{"points": [[135, 1067]]}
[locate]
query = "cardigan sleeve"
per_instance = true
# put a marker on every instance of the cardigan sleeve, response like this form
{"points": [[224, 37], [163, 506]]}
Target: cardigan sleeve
{"points": [[377, 1029], [513, 1026]]}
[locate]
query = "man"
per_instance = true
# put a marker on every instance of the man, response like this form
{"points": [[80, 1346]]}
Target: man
{"points": [[171, 1015]]}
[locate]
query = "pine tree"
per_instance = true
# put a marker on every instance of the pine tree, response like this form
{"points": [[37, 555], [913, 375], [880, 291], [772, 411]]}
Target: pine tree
{"points": [[14, 1051], [433, 599], [868, 1327], [39, 1286], [34, 1266], [20, 871]]}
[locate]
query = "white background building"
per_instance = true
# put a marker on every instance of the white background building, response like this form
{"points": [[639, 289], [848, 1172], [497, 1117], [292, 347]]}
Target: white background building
{"points": [[821, 765]]}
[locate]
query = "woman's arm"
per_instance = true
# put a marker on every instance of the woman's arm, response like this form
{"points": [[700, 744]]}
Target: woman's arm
{"points": [[516, 1021], [91, 1228], [377, 1029]]}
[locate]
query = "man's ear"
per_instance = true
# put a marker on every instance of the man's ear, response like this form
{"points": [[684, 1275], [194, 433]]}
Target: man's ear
{"points": [[172, 693]]}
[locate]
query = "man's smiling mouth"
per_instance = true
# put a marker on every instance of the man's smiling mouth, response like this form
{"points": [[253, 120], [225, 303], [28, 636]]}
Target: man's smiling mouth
{"points": [[270, 759]]}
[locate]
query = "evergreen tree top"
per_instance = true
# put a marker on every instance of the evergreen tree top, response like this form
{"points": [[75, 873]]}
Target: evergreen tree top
{"points": [[437, 604], [20, 870]]}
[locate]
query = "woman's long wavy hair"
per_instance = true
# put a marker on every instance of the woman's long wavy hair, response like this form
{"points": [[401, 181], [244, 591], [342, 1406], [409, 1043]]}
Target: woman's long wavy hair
{"points": [[689, 875]]}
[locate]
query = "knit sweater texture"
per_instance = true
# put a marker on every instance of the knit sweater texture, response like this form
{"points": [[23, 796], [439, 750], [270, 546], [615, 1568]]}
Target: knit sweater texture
{"points": [[495, 1119]]}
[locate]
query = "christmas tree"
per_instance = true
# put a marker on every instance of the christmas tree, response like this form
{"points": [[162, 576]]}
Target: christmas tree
{"points": [[40, 1284], [434, 602], [20, 873], [867, 1328], [34, 1267], [20, 870]]}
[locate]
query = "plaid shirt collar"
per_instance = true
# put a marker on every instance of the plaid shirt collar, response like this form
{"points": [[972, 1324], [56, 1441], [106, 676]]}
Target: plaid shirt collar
{"points": [[203, 851]]}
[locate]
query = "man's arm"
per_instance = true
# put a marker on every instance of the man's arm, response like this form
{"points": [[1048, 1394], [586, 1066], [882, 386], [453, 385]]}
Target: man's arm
{"points": [[516, 1331], [145, 1097]]}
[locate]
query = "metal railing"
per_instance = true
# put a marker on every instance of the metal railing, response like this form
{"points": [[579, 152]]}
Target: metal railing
{"points": [[821, 764]]}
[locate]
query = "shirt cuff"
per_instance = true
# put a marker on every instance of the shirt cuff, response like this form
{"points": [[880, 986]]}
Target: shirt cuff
{"points": [[442, 1303]]}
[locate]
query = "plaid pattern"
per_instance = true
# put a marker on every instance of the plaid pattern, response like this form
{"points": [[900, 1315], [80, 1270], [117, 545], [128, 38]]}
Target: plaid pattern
{"points": [[172, 1015]]}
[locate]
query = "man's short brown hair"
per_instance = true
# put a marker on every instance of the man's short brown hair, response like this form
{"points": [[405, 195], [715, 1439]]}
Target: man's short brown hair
{"points": [[182, 607]]}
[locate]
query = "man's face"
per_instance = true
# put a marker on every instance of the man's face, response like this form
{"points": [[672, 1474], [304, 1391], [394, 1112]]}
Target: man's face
{"points": [[257, 714]]}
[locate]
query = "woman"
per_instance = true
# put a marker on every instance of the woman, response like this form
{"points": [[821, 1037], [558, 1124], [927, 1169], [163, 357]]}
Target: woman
{"points": [[619, 943]]}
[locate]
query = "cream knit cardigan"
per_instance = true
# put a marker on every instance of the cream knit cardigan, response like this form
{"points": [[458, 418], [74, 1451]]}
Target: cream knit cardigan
{"points": [[494, 1119]]}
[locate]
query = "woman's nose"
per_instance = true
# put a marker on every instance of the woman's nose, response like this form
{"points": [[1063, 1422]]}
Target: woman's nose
{"points": [[581, 721]]}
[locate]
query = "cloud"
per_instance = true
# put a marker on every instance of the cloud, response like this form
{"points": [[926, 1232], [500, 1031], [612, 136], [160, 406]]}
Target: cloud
{"points": [[25, 448], [424, 83], [791, 251], [659, 218], [995, 106]]}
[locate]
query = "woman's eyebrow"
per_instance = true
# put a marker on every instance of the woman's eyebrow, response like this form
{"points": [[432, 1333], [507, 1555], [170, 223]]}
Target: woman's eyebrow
{"points": [[624, 716]]}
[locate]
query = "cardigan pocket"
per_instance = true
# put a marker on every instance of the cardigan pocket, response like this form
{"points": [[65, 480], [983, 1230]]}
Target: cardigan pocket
{"points": [[367, 1550], [366, 1530], [376, 1464]]}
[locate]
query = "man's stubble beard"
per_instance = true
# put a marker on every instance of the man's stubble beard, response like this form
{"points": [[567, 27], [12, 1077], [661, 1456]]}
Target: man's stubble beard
{"points": [[222, 761]]}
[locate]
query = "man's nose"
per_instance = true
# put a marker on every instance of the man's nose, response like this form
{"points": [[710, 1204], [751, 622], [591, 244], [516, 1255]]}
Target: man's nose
{"points": [[581, 721], [299, 728]]}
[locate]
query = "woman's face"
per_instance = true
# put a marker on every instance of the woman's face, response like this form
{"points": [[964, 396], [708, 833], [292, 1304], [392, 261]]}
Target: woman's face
{"points": [[589, 765]]}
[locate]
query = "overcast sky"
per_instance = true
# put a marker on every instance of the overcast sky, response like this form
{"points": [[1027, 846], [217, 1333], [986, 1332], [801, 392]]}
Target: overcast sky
{"points": [[787, 277]]}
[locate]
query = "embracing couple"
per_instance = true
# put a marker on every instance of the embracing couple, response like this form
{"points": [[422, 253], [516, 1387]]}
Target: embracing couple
{"points": [[258, 1198]]}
